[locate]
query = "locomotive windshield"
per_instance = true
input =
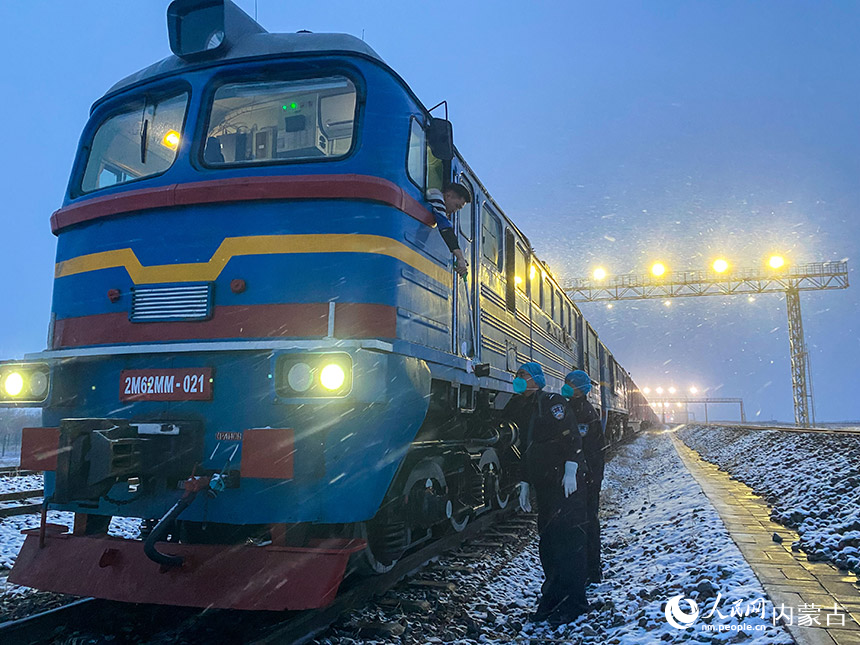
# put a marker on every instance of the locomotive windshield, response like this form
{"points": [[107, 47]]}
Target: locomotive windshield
{"points": [[280, 121], [139, 141]]}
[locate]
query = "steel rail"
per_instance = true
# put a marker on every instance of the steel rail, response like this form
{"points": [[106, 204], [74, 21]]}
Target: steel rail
{"points": [[107, 617]]}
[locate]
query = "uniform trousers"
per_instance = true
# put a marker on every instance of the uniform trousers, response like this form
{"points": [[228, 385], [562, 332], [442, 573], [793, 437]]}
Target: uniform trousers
{"points": [[562, 526], [592, 529]]}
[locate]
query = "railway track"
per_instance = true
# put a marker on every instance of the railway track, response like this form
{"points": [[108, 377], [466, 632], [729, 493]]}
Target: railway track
{"points": [[15, 471], [167, 624], [21, 509]]}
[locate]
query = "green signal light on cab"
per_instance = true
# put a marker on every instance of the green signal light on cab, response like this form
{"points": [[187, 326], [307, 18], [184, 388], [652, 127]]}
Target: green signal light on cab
{"points": [[291, 106]]}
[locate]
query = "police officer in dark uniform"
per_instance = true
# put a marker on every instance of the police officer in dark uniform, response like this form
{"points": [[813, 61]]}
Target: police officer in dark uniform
{"points": [[551, 458], [577, 385]]}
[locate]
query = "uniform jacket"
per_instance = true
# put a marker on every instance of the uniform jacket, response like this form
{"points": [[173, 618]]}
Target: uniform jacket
{"points": [[548, 436], [591, 432]]}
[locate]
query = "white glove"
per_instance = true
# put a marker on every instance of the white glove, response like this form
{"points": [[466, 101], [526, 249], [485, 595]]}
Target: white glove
{"points": [[525, 504], [568, 482]]}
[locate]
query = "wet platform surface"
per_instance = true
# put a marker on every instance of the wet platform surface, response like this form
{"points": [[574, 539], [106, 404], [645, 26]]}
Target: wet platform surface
{"points": [[787, 576]]}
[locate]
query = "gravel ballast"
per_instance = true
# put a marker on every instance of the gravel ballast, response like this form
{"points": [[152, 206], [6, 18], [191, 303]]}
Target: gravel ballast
{"points": [[662, 538]]}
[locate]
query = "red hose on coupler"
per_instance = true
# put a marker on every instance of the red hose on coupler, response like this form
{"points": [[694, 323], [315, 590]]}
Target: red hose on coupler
{"points": [[193, 485]]}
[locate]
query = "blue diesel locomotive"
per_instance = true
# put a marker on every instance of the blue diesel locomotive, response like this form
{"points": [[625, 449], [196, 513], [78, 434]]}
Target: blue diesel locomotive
{"points": [[257, 343]]}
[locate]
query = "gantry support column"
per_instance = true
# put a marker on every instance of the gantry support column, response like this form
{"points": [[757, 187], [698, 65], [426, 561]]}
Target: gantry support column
{"points": [[801, 376]]}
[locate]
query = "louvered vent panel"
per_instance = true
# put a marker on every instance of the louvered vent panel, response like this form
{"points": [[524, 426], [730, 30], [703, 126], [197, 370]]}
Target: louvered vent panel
{"points": [[187, 302]]}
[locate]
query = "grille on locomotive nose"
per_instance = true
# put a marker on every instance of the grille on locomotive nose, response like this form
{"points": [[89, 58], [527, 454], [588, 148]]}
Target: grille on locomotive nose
{"points": [[171, 303]]}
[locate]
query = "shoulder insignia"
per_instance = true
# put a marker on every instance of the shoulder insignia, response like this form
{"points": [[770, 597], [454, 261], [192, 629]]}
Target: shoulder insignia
{"points": [[558, 411]]}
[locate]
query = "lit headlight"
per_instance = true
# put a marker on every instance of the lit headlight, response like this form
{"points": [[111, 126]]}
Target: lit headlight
{"points": [[13, 384], [24, 382], [314, 375], [332, 376]]}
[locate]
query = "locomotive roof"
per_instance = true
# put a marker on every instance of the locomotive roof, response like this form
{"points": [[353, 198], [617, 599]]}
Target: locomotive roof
{"points": [[255, 45]]}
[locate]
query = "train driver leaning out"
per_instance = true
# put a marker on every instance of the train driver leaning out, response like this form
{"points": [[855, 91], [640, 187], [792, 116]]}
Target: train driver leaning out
{"points": [[552, 456], [449, 200]]}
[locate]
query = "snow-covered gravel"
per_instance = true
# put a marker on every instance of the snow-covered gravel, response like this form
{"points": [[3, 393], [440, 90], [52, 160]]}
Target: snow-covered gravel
{"points": [[11, 527], [810, 480], [662, 538], [16, 601]]}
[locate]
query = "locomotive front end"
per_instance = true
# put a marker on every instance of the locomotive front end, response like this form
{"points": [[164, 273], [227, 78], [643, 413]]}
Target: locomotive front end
{"points": [[223, 360]]}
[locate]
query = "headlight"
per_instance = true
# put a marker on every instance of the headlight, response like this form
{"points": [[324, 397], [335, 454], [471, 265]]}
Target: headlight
{"points": [[38, 384], [313, 375], [24, 382], [13, 384], [332, 376], [300, 377]]}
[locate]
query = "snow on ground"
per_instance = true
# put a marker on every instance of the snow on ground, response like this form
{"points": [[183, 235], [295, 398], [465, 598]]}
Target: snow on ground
{"points": [[10, 460], [11, 539], [810, 480], [662, 539]]}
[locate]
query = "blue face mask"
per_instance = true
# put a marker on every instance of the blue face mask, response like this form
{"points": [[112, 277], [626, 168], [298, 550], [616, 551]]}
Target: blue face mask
{"points": [[566, 391], [520, 385]]}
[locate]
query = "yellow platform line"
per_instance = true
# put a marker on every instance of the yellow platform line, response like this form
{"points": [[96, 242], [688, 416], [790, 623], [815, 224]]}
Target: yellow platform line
{"points": [[788, 577], [249, 245]]}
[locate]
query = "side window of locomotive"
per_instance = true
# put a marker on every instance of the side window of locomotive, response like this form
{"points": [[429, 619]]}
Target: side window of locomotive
{"points": [[435, 171], [547, 300], [139, 141], [520, 270], [534, 275], [280, 121], [558, 311], [491, 238], [416, 158], [466, 228], [561, 304]]}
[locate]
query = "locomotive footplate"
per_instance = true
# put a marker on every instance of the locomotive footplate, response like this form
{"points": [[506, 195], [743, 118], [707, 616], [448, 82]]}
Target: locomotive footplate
{"points": [[222, 576]]}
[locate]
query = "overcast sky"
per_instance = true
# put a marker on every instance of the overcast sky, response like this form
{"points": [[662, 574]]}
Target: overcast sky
{"points": [[612, 133]]}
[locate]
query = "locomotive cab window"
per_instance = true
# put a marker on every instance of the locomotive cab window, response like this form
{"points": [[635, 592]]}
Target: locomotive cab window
{"points": [[491, 238], [416, 158], [520, 270], [466, 228], [435, 171], [140, 140], [280, 121]]}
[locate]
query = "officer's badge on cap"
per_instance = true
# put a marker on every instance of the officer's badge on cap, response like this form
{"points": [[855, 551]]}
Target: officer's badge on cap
{"points": [[558, 412]]}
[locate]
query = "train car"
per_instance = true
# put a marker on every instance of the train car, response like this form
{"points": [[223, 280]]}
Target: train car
{"points": [[258, 345], [613, 398]]}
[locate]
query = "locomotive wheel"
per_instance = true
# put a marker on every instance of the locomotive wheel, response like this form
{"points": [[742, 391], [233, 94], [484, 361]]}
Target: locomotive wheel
{"points": [[460, 517], [495, 496], [386, 543], [389, 535]]}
